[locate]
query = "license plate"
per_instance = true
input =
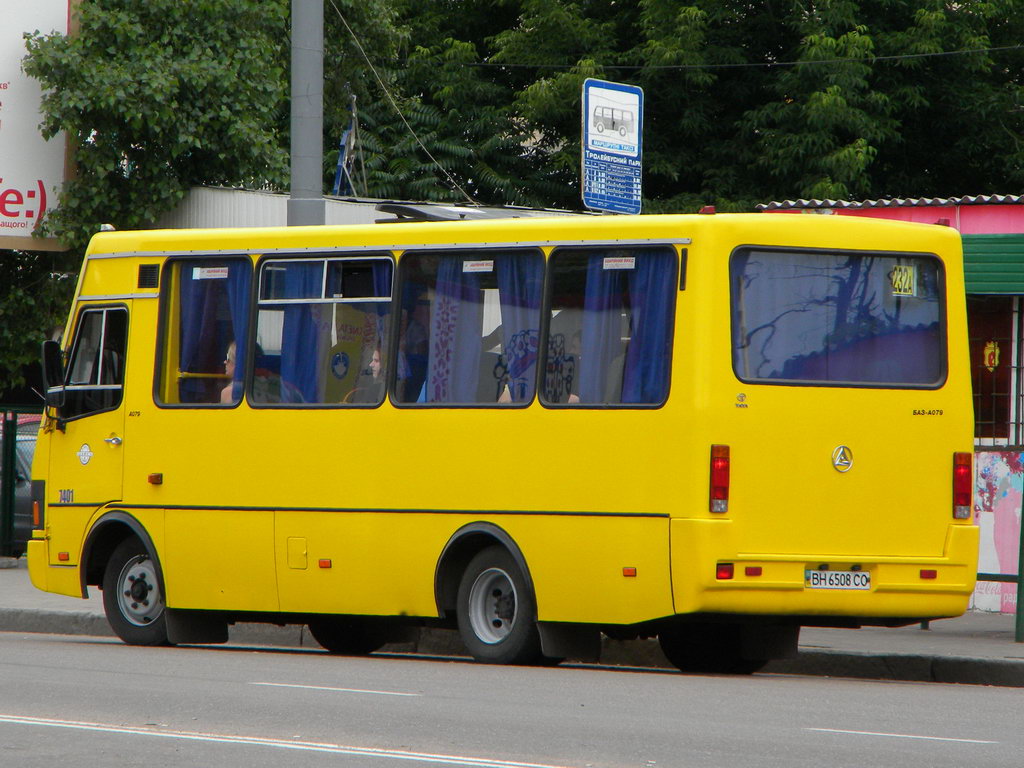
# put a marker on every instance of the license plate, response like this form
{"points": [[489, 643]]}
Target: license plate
{"points": [[837, 580]]}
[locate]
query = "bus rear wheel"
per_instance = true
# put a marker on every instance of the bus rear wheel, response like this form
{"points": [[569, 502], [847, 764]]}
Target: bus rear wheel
{"points": [[133, 597], [707, 649], [496, 610], [348, 636]]}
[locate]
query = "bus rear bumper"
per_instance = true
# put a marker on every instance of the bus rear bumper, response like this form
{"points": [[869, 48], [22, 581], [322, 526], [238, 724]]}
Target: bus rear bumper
{"points": [[60, 579], [778, 585]]}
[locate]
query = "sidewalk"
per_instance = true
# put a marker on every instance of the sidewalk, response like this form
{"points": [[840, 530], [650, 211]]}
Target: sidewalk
{"points": [[977, 648]]}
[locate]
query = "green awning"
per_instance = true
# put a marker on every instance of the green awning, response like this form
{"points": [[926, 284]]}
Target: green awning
{"points": [[994, 264]]}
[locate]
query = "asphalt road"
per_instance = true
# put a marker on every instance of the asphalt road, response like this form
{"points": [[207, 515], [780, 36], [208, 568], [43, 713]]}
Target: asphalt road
{"points": [[97, 702]]}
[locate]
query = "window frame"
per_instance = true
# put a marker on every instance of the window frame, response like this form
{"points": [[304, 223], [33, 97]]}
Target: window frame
{"points": [[469, 251], [375, 254], [83, 311], [678, 254], [863, 253], [169, 287]]}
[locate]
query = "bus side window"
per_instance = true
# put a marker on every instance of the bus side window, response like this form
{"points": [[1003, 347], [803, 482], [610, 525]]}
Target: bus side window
{"points": [[96, 374], [610, 332], [321, 329], [469, 328], [205, 331]]}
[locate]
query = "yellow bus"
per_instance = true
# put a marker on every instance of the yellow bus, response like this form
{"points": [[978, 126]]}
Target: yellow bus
{"points": [[713, 429]]}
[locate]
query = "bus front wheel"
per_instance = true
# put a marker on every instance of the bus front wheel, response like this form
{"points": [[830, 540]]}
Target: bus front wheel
{"points": [[496, 610], [133, 598]]}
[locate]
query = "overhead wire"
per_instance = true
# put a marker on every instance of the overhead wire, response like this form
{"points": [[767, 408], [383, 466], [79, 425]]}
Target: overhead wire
{"points": [[451, 180]]}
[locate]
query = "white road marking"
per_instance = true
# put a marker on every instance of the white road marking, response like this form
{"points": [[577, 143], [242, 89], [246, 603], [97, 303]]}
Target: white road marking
{"points": [[343, 690], [902, 736], [305, 746]]}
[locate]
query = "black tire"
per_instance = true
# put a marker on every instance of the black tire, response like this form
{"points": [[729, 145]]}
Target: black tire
{"points": [[707, 649], [133, 597], [497, 612], [348, 636]]}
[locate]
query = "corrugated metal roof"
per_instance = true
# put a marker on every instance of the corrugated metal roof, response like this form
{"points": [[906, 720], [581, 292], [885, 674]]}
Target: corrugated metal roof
{"points": [[895, 202]]}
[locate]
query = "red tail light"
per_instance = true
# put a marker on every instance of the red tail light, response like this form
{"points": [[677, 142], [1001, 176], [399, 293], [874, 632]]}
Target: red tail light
{"points": [[724, 571], [963, 485], [719, 478]]}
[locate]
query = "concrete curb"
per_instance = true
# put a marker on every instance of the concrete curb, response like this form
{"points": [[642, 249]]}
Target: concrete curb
{"points": [[628, 653], [905, 667]]}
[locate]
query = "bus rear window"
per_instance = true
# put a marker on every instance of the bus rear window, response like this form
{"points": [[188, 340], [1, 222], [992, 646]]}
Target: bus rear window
{"points": [[838, 318]]}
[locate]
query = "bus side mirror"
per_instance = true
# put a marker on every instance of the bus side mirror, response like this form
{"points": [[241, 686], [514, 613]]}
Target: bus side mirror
{"points": [[53, 373]]}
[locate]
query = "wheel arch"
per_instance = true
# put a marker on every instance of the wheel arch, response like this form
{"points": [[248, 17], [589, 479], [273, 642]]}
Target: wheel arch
{"points": [[111, 529], [463, 545]]}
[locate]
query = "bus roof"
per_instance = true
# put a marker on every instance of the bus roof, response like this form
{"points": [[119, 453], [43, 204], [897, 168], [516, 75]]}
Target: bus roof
{"points": [[758, 228]]}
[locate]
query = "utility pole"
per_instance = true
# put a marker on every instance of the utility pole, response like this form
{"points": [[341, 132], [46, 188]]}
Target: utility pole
{"points": [[306, 202]]}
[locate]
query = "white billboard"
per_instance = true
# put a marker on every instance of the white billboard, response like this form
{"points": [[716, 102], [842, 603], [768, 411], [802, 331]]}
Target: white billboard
{"points": [[32, 169]]}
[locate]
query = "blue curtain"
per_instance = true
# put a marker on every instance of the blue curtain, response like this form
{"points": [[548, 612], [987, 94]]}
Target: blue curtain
{"points": [[602, 328], [195, 319], [412, 352], [237, 285], [520, 282], [651, 293], [300, 339], [204, 340], [650, 289], [456, 315], [381, 278], [382, 287]]}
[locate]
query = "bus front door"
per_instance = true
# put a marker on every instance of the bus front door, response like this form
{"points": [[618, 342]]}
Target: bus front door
{"points": [[86, 448]]}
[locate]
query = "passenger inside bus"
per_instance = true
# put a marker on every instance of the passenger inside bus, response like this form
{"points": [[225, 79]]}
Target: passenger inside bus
{"points": [[227, 393], [369, 388]]}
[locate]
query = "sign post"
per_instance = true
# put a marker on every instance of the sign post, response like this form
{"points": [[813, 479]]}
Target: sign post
{"points": [[613, 122]]}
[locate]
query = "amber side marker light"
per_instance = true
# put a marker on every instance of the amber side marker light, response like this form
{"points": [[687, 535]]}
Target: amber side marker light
{"points": [[629, 572], [63, 556], [35, 514], [325, 563]]}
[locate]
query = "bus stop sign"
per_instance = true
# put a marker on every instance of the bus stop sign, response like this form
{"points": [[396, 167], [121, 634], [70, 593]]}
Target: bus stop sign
{"points": [[613, 122]]}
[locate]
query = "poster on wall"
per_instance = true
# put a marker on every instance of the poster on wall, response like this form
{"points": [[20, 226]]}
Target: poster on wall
{"points": [[999, 479], [32, 169]]}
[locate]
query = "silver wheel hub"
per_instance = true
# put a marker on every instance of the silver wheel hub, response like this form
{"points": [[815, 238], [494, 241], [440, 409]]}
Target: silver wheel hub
{"points": [[138, 595], [492, 606]]}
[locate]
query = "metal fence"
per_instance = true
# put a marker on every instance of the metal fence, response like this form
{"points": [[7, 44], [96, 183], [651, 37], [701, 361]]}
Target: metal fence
{"points": [[8, 474]]}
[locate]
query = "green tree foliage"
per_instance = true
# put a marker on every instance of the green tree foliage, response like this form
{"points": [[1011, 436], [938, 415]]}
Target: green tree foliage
{"points": [[751, 101], [745, 101], [34, 292], [157, 96], [442, 127]]}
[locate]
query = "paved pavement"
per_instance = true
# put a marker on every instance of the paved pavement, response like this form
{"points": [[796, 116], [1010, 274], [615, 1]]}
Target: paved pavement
{"points": [[977, 648]]}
